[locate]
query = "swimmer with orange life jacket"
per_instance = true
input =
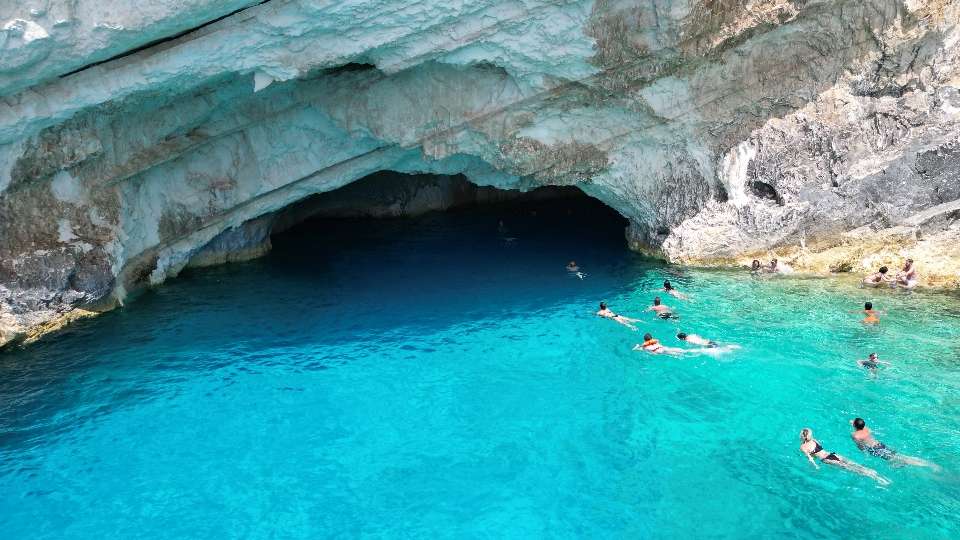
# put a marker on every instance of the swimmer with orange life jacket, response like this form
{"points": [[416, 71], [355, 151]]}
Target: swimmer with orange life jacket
{"points": [[654, 346], [871, 314]]}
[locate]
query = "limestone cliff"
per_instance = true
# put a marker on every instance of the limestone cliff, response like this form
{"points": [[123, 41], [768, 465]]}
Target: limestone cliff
{"points": [[132, 135]]}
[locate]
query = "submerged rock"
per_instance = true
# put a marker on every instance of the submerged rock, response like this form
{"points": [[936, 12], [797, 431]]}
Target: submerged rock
{"points": [[136, 139]]}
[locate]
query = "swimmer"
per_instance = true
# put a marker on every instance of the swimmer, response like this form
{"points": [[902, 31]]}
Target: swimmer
{"points": [[673, 292], [871, 314], [606, 313], [872, 363], [661, 310], [877, 278], [653, 346], [501, 228], [756, 267], [811, 448], [572, 266], [694, 339], [867, 443], [907, 277]]}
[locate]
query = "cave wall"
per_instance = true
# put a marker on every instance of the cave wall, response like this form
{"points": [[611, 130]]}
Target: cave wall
{"points": [[131, 136]]}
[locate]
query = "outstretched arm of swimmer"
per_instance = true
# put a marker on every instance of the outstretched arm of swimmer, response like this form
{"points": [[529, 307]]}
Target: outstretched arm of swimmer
{"points": [[810, 459]]}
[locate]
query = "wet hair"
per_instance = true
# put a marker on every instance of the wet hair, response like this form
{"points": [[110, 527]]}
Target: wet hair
{"points": [[873, 355], [883, 269], [656, 301], [806, 434], [910, 261], [667, 285], [755, 264], [603, 305], [681, 336], [647, 337], [868, 305], [859, 423]]}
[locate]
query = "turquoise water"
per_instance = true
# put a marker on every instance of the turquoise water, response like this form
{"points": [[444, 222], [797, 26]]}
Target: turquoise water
{"points": [[425, 378]]}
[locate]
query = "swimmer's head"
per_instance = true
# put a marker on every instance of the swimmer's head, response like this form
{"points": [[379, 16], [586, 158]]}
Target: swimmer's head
{"points": [[884, 269], [572, 263], [859, 424], [603, 305], [773, 262], [868, 305], [681, 336], [806, 434], [656, 301], [647, 337], [667, 285], [873, 356], [755, 264]]}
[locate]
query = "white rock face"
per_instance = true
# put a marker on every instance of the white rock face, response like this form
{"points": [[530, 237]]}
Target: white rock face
{"points": [[720, 129]]}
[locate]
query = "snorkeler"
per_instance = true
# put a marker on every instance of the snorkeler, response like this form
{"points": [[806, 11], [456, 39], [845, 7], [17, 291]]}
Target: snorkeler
{"points": [[907, 277], [877, 278], [694, 339], [811, 448], [606, 313], [668, 287], [654, 346], [871, 314], [866, 442], [661, 310], [872, 363]]}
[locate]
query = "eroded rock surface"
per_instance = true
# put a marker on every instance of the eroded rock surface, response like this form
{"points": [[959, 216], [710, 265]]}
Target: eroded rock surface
{"points": [[136, 139]]}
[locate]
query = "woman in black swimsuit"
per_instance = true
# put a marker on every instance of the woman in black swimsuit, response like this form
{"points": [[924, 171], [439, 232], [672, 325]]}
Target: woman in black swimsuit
{"points": [[812, 449]]}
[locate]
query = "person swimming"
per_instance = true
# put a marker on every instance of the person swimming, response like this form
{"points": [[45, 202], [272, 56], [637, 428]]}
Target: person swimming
{"points": [[866, 442], [653, 346], [811, 448], [756, 267], [572, 266], [668, 287], [907, 277], [877, 278], [872, 363], [608, 314], [694, 339], [871, 314], [661, 310]]}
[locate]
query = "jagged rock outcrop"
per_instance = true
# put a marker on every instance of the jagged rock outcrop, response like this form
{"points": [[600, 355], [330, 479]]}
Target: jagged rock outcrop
{"points": [[132, 136]]}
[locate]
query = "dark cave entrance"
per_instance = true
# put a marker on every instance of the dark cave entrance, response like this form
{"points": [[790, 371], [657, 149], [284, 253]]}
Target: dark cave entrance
{"points": [[446, 214]]}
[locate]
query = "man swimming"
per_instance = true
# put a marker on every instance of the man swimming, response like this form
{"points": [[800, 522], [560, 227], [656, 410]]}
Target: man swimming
{"points": [[872, 363], [653, 346], [668, 287], [756, 267], [908, 276], [661, 310], [871, 314], [694, 339], [866, 442], [811, 448], [572, 266], [877, 279], [606, 313]]}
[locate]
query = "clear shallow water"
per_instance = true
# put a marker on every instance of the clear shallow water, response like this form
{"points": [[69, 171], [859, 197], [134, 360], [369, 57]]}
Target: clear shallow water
{"points": [[423, 378]]}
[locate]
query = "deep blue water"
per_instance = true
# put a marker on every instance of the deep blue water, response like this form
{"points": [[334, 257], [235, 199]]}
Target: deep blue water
{"points": [[425, 378]]}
